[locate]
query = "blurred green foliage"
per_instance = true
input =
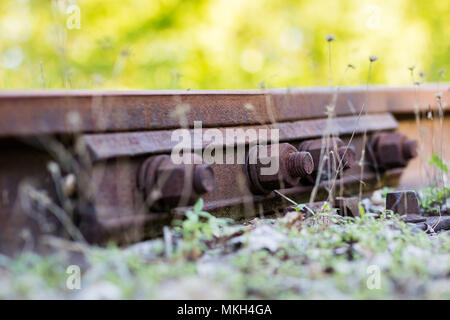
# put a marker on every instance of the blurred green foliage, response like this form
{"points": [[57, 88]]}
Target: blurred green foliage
{"points": [[218, 44]]}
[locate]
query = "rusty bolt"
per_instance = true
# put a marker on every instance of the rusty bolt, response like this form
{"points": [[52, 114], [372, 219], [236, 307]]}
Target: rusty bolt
{"points": [[167, 185], [409, 149], [203, 178], [391, 149], [292, 165], [300, 164], [344, 160], [173, 181], [347, 155], [347, 206], [402, 202]]}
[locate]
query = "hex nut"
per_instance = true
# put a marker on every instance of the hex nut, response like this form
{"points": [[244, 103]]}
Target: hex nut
{"points": [[292, 165], [203, 178], [391, 149], [166, 185]]}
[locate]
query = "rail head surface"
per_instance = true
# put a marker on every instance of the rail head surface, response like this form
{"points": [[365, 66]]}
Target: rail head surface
{"points": [[50, 93], [52, 112]]}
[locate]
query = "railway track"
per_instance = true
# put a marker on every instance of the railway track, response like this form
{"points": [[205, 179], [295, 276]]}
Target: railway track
{"points": [[97, 165]]}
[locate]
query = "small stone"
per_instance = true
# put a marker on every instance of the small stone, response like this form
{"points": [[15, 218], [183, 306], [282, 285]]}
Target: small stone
{"points": [[402, 202], [377, 198], [293, 219], [347, 206], [265, 237], [413, 218], [441, 223]]}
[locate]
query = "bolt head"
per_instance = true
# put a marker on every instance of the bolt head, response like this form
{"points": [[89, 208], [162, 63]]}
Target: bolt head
{"points": [[167, 185], [281, 178], [300, 164], [203, 179], [286, 176], [347, 156], [409, 149], [314, 147], [173, 182], [390, 150], [307, 163]]}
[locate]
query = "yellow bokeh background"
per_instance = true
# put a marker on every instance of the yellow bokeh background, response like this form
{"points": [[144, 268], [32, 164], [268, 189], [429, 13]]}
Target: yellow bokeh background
{"points": [[218, 44]]}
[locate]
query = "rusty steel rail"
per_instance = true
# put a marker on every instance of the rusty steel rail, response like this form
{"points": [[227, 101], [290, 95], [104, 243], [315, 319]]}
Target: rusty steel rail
{"points": [[96, 165], [51, 112]]}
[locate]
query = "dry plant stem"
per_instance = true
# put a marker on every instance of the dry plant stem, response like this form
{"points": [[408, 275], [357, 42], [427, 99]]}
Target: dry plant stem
{"points": [[321, 162], [167, 236], [331, 115], [325, 148], [58, 213], [340, 166], [66, 245], [424, 129], [341, 182], [293, 202], [340, 169], [439, 220], [42, 75], [330, 78], [362, 161], [441, 123], [326, 134], [55, 173], [417, 117], [362, 164], [285, 197], [434, 173]]}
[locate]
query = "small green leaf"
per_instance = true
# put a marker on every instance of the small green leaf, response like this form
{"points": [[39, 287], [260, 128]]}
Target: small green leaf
{"points": [[205, 214], [198, 206], [362, 212], [189, 214], [300, 207], [385, 191], [437, 162]]}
